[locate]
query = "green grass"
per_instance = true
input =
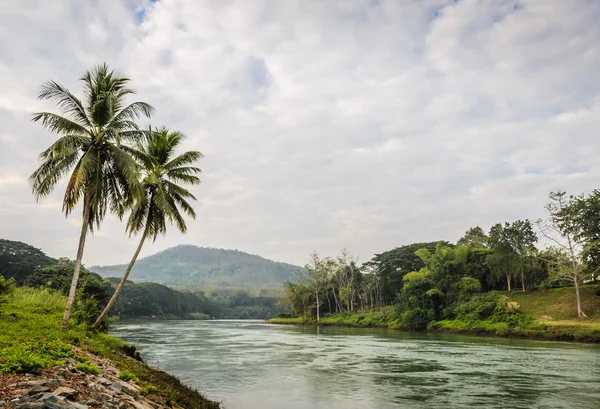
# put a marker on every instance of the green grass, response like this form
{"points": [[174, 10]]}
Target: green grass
{"points": [[384, 317], [31, 339], [287, 321], [559, 304]]}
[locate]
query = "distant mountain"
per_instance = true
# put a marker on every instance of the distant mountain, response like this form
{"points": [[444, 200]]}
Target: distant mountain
{"points": [[193, 266]]}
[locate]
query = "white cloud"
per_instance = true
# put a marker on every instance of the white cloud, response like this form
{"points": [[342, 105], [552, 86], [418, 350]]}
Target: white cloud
{"points": [[361, 124]]}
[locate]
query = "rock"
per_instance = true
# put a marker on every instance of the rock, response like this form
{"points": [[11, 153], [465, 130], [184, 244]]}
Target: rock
{"points": [[116, 386], [103, 381], [40, 405], [38, 389], [15, 401], [137, 405], [61, 400], [106, 397], [12, 317], [71, 361], [53, 383], [2, 403], [77, 405], [38, 382], [127, 388], [41, 397], [64, 391]]}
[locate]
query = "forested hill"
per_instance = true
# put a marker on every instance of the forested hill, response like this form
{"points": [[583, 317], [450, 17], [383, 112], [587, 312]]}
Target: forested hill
{"points": [[193, 265]]}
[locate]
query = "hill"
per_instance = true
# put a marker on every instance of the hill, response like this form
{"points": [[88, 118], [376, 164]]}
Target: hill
{"points": [[193, 266], [18, 259]]}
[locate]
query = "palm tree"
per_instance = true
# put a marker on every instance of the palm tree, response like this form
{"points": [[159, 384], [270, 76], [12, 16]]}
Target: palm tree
{"points": [[162, 174], [89, 147]]}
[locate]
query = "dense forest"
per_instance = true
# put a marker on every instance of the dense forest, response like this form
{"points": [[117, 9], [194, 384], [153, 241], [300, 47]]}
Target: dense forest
{"points": [[428, 282], [29, 266], [193, 266]]}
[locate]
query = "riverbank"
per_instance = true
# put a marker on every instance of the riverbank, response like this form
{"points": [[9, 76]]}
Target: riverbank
{"points": [[37, 359], [552, 313]]}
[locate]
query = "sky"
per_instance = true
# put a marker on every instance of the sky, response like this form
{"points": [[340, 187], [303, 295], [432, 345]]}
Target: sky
{"points": [[358, 124]]}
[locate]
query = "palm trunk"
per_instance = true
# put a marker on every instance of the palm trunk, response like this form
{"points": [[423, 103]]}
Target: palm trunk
{"points": [[123, 280], [508, 281], [77, 269], [523, 280]]}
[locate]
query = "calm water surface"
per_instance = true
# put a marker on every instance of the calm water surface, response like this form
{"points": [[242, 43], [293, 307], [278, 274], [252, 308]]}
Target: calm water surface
{"points": [[253, 365]]}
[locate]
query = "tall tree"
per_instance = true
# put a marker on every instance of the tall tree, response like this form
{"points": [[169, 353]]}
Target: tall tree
{"points": [[511, 242], [570, 229], [165, 199], [474, 237], [316, 278], [89, 147]]}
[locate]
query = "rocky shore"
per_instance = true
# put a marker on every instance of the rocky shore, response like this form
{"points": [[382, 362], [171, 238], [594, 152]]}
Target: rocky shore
{"points": [[66, 387]]}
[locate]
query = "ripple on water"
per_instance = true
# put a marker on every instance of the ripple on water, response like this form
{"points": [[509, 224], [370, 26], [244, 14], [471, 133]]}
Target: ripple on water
{"points": [[251, 365]]}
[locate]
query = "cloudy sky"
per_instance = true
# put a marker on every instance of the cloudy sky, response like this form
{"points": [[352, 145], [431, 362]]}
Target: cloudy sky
{"points": [[358, 124]]}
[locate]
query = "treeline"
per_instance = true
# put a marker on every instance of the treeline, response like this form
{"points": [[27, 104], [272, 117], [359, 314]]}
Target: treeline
{"points": [[441, 280], [29, 266]]}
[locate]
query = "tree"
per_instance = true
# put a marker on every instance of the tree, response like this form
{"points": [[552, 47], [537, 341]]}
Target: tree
{"points": [[90, 147], [316, 278], [511, 242], [392, 265], [570, 232], [18, 259], [164, 199], [474, 237]]}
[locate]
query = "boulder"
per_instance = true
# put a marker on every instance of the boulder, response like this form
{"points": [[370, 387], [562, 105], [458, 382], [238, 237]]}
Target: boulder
{"points": [[64, 391]]}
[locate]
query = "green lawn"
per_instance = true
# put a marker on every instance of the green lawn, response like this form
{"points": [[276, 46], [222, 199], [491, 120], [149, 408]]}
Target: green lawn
{"points": [[559, 305]]}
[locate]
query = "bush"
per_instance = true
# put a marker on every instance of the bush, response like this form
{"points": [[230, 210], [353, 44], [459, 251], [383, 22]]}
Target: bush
{"points": [[33, 355], [6, 288], [88, 368], [127, 376], [417, 318]]}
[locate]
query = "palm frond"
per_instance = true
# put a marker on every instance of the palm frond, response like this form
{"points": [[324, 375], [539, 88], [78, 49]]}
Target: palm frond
{"points": [[66, 101], [186, 158], [58, 124]]}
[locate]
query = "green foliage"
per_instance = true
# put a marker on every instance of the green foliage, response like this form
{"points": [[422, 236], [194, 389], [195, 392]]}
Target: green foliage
{"points": [[88, 368], [474, 237], [6, 288], [190, 265], [17, 259], [391, 266], [33, 355], [127, 376]]}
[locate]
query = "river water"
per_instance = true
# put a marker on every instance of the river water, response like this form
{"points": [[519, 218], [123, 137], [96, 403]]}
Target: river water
{"points": [[254, 365]]}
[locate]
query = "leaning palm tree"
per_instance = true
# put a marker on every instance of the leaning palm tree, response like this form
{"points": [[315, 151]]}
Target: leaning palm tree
{"points": [[162, 174], [89, 148]]}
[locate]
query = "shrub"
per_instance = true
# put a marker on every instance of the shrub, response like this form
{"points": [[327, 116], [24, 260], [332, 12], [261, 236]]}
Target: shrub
{"points": [[33, 355], [127, 376], [88, 368], [6, 288]]}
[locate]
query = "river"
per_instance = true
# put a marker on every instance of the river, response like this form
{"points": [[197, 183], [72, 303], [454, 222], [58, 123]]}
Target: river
{"points": [[254, 365]]}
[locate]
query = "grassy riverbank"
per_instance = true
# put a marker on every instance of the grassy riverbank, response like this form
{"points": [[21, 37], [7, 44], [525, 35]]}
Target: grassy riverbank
{"points": [[552, 313], [31, 340]]}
